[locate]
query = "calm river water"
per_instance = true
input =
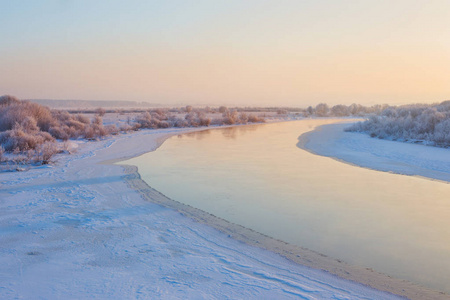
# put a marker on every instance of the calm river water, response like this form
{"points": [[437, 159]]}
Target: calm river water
{"points": [[257, 177]]}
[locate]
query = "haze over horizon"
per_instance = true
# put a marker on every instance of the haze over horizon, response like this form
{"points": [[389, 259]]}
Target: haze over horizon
{"points": [[258, 53]]}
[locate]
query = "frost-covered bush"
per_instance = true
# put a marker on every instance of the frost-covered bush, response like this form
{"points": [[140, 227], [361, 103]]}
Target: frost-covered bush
{"points": [[24, 136], [442, 133], [178, 122], [230, 117], [340, 111], [152, 120], [68, 126], [36, 119], [197, 118], [44, 152], [13, 112], [8, 99], [96, 130], [144, 120], [426, 123], [322, 110], [243, 118], [112, 129], [255, 119], [125, 128], [29, 130]]}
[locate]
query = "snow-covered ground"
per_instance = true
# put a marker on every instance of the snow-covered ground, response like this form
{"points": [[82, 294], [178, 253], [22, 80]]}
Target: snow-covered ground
{"points": [[77, 230], [389, 156]]}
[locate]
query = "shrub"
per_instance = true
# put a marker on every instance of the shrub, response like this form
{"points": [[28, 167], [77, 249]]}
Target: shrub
{"points": [[428, 123], [230, 117], [339, 111], [23, 138], [204, 121], [126, 128], [144, 120], [243, 118], [8, 100], [322, 110], [100, 111], [25, 126], [112, 129], [255, 119], [15, 112], [178, 122], [44, 152], [95, 129], [163, 124]]}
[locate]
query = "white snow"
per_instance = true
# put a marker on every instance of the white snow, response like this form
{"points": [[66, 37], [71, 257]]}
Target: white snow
{"points": [[383, 155], [75, 230]]}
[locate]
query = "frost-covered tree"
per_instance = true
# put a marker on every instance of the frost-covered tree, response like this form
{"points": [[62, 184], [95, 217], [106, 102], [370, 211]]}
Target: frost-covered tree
{"points": [[322, 110], [339, 111], [427, 123]]}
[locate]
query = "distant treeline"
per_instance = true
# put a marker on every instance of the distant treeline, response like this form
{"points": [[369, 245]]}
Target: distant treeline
{"points": [[191, 117], [92, 104], [320, 110], [429, 124], [29, 131], [340, 110]]}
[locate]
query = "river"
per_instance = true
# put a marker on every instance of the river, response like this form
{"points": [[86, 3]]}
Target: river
{"points": [[257, 177]]}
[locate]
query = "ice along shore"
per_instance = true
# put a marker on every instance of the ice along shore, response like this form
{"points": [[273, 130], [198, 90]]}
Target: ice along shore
{"points": [[383, 155]]}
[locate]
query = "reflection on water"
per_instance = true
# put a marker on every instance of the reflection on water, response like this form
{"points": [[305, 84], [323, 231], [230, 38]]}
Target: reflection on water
{"points": [[257, 177]]}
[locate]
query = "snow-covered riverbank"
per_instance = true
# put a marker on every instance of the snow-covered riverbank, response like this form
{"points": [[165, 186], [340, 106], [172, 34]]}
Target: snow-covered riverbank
{"points": [[79, 230], [383, 155]]}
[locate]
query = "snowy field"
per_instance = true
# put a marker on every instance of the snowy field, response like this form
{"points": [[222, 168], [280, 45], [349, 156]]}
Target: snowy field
{"points": [[76, 230], [373, 153]]}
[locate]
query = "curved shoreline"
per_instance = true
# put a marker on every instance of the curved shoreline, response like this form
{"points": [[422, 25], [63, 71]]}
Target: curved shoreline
{"points": [[296, 254], [330, 141]]}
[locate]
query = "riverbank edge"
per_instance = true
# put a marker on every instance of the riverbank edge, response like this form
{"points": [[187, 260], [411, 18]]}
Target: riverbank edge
{"points": [[304, 139], [296, 254]]}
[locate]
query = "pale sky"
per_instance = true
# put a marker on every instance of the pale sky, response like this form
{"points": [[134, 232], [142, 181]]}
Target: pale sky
{"points": [[285, 53]]}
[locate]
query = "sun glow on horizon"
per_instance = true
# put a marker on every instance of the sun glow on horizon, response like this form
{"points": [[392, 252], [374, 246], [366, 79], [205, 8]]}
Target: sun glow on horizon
{"points": [[228, 52]]}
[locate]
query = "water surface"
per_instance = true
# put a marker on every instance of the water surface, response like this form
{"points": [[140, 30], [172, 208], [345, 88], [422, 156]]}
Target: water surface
{"points": [[257, 177]]}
